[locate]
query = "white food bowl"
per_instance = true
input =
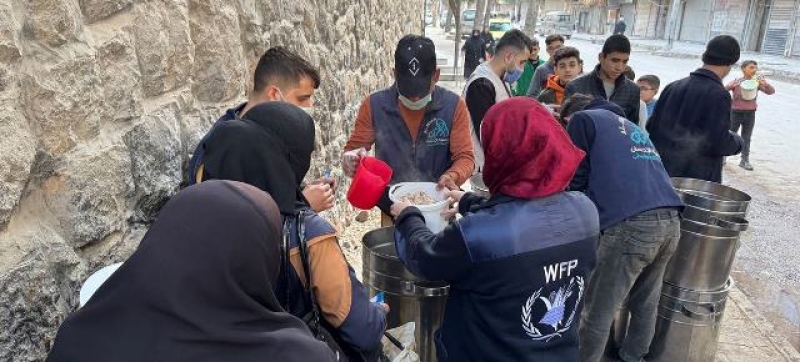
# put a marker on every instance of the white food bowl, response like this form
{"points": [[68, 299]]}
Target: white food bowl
{"points": [[433, 212]]}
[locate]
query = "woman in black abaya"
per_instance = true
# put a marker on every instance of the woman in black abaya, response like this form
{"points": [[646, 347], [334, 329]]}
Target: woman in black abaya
{"points": [[198, 288]]}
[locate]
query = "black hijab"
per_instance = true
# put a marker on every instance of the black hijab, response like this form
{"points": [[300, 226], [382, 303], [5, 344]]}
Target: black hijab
{"points": [[270, 148], [198, 288]]}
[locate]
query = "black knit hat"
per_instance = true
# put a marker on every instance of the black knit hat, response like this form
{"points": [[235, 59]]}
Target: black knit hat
{"points": [[722, 50]]}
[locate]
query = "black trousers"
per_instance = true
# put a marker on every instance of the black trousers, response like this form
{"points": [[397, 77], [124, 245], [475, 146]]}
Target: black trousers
{"points": [[747, 120]]}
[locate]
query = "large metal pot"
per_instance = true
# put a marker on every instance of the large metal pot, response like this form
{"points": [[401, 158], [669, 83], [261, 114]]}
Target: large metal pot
{"points": [[704, 257], [695, 214], [712, 196], [410, 298], [687, 328], [478, 187]]}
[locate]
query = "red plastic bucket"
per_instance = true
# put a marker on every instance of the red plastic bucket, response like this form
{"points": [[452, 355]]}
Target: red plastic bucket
{"points": [[369, 183]]}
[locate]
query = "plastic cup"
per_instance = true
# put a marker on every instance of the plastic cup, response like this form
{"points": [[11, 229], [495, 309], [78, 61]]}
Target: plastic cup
{"points": [[369, 183]]}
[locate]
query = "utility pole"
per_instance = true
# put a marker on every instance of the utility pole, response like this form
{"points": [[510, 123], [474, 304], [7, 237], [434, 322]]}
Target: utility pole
{"points": [[672, 22], [480, 12], [530, 18], [488, 15], [455, 8], [424, 14]]}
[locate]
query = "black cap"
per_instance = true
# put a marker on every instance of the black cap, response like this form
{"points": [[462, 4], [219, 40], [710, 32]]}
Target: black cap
{"points": [[722, 50], [414, 65]]}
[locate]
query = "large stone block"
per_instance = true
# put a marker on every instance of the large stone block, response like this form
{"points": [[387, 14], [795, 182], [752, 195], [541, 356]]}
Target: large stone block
{"points": [[61, 100], [219, 65], [53, 22], [119, 73], [9, 47], [9, 85], [38, 293], [195, 125], [16, 159], [116, 248], [94, 10], [155, 152], [88, 193], [163, 45]]}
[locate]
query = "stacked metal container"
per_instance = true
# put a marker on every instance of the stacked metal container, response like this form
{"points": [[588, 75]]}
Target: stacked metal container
{"points": [[697, 279]]}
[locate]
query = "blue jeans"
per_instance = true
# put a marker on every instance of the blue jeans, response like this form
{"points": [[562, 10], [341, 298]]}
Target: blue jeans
{"points": [[631, 260]]}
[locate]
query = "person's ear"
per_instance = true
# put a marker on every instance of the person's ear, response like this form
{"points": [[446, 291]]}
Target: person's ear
{"points": [[272, 93]]}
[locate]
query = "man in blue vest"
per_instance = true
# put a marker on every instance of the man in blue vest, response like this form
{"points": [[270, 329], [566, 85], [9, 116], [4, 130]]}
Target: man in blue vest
{"points": [[419, 129], [623, 174], [280, 76]]}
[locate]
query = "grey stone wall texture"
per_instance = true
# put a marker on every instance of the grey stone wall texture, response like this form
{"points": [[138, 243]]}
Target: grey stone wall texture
{"points": [[101, 102]]}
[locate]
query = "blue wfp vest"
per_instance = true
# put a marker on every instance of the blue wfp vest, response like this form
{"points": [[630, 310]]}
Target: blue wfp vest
{"points": [[429, 157], [628, 176], [523, 296]]}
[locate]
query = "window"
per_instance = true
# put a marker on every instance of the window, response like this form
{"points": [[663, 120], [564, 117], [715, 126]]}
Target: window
{"points": [[469, 15], [499, 26]]}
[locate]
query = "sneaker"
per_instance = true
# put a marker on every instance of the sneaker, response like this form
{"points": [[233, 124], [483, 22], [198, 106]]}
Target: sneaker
{"points": [[746, 165]]}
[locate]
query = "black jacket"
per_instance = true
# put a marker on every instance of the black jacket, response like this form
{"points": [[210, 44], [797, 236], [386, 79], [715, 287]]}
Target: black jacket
{"points": [[474, 50], [690, 127], [620, 27], [626, 92]]}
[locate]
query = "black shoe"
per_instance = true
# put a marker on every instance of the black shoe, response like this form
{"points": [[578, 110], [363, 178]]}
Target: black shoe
{"points": [[746, 165]]}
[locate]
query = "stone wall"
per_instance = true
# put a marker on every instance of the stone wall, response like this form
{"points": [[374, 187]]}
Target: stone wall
{"points": [[101, 102]]}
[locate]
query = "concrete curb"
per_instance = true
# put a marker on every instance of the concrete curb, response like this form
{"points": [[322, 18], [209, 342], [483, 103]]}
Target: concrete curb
{"points": [[765, 328]]}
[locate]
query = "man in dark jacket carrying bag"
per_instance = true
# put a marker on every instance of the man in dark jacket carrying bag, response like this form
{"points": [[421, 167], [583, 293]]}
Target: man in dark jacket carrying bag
{"points": [[607, 80], [691, 124]]}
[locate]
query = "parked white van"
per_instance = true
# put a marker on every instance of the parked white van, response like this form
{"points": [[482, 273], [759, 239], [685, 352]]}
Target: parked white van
{"points": [[557, 22]]}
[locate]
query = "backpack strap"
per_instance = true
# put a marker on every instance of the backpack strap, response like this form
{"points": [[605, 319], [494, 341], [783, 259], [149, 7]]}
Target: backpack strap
{"points": [[314, 323], [285, 265]]}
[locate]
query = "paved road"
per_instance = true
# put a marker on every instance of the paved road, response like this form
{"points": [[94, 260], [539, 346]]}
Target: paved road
{"points": [[767, 268]]}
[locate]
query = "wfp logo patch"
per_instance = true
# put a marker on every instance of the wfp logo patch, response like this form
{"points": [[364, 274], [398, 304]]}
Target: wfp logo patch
{"points": [[547, 317]]}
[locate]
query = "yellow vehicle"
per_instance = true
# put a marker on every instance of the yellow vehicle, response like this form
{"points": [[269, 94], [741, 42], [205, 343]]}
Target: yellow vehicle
{"points": [[498, 27]]}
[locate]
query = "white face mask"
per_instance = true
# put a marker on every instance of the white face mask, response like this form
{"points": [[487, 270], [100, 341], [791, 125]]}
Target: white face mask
{"points": [[309, 110], [415, 106]]}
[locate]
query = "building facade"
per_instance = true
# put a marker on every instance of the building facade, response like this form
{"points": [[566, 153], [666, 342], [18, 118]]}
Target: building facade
{"points": [[768, 26]]}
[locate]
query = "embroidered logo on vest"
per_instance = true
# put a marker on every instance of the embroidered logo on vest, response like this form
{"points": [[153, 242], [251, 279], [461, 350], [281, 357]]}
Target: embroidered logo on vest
{"points": [[642, 148], [437, 132], [545, 318]]}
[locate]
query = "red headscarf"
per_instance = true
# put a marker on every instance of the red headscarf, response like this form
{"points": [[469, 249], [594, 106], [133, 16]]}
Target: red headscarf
{"points": [[528, 154]]}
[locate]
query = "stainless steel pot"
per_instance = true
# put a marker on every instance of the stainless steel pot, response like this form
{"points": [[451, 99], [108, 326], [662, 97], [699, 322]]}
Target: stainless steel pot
{"points": [[687, 328], [716, 219], [410, 298], [712, 196], [704, 257], [478, 187]]}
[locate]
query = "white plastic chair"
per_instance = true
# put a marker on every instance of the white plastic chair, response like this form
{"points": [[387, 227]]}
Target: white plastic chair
{"points": [[95, 281]]}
